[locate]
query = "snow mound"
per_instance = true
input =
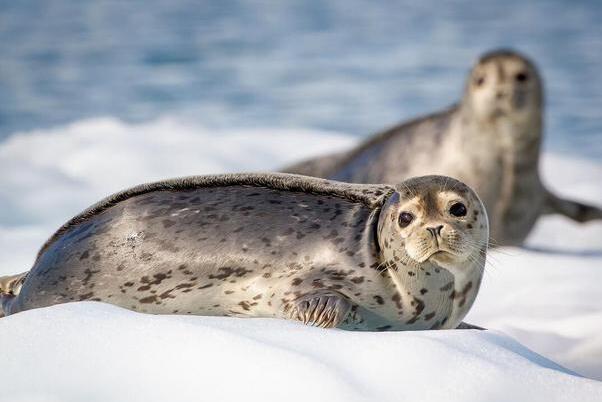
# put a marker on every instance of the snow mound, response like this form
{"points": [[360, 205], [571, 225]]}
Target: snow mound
{"points": [[546, 296], [93, 351]]}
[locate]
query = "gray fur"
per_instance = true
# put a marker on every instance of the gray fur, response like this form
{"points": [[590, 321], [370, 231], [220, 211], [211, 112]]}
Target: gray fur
{"points": [[492, 144], [256, 245], [276, 181]]}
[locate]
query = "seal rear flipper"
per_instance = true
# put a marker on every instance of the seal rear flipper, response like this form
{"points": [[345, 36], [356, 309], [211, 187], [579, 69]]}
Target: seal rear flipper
{"points": [[5, 304], [11, 284], [320, 309], [574, 210]]}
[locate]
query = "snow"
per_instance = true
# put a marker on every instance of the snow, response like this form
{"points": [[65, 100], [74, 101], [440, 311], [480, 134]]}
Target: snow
{"points": [[92, 351], [545, 296]]}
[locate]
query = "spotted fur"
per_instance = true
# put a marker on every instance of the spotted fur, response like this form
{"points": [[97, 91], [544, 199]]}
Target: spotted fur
{"points": [[257, 245]]}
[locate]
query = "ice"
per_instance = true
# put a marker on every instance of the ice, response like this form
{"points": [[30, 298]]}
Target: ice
{"points": [[97, 352], [546, 296]]}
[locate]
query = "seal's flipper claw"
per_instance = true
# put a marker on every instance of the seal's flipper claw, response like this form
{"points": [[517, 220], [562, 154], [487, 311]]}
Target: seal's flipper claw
{"points": [[325, 310]]}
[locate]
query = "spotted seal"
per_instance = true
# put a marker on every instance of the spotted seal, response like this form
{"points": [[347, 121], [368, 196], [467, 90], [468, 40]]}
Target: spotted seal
{"points": [[363, 257], [490, 140]]}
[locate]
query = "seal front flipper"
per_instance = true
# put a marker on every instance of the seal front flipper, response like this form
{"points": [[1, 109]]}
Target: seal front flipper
{"points": [[574, 210], [320, 309]]}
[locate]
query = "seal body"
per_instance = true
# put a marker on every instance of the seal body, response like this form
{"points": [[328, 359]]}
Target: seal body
{"points": [[491, 141], [254, 245]]}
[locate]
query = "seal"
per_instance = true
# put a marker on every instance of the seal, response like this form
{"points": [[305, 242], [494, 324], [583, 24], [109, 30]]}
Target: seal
{"points": [[490, 140], [361, 257]]}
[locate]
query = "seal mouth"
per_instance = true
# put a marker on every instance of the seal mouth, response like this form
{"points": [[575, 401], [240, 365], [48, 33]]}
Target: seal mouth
{"points": [[438, 253], [441, 256]]}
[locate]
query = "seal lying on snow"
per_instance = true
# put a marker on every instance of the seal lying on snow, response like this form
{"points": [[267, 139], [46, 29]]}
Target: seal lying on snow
{"points": [[490, 140], [365, 257]]}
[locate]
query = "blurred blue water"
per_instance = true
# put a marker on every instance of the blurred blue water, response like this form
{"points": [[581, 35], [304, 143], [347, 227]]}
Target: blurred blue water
{"points": [[347, 65]]}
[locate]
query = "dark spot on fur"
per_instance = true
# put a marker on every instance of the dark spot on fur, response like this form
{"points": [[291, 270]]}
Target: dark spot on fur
{"points": [[317, 283], [89, 273], [149, 299], [226, 272], [357, 279], [418, 308], [397, 299], [167, 223]]}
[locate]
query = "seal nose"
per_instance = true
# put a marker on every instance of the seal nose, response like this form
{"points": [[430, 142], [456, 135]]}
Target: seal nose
{"points": [[435, 231]]}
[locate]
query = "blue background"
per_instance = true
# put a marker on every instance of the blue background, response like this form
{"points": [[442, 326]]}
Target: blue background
{"points": [[347, 65]]}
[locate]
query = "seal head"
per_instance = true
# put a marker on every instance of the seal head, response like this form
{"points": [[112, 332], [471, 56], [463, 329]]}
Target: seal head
{"points": [[504, 83], [434, 220]]}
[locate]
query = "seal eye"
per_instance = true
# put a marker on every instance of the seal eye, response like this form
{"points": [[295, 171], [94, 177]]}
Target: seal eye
{"points": [[522, 77], [480, 81], [458, 209], [405, 218]]}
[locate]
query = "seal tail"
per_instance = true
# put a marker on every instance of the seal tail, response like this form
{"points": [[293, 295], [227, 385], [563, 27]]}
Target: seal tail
{"points": [[10, 287]]}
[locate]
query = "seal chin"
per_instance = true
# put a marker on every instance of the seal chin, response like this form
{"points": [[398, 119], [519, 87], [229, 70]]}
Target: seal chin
{"points": [[443, 255]]}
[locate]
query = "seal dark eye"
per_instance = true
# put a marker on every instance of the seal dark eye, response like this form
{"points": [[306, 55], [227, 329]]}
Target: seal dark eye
{"points": [[479, 81], [458, 209], [405, 218], [522, 77]]}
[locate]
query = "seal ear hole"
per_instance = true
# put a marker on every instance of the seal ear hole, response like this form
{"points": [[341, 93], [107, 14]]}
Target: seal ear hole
{"points": [[405, 218], [458, 209], [522, 77]]}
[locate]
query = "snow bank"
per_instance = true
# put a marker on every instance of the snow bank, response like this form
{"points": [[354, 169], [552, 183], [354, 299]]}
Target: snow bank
{"points": [[547, 296], [96, 352]]}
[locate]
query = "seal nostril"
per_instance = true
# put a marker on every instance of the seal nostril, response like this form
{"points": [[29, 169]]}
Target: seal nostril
{"points": [[435, 231], [499, 95]]}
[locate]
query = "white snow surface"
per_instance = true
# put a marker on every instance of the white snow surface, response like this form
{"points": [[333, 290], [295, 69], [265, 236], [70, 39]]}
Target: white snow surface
{"points": [[545, 296]]}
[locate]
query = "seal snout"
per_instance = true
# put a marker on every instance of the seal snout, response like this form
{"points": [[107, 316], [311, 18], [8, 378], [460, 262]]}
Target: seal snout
{"points": [[435, 231]]}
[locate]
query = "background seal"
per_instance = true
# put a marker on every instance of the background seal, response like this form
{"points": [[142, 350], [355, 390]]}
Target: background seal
{"points": [[490, 140]]}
